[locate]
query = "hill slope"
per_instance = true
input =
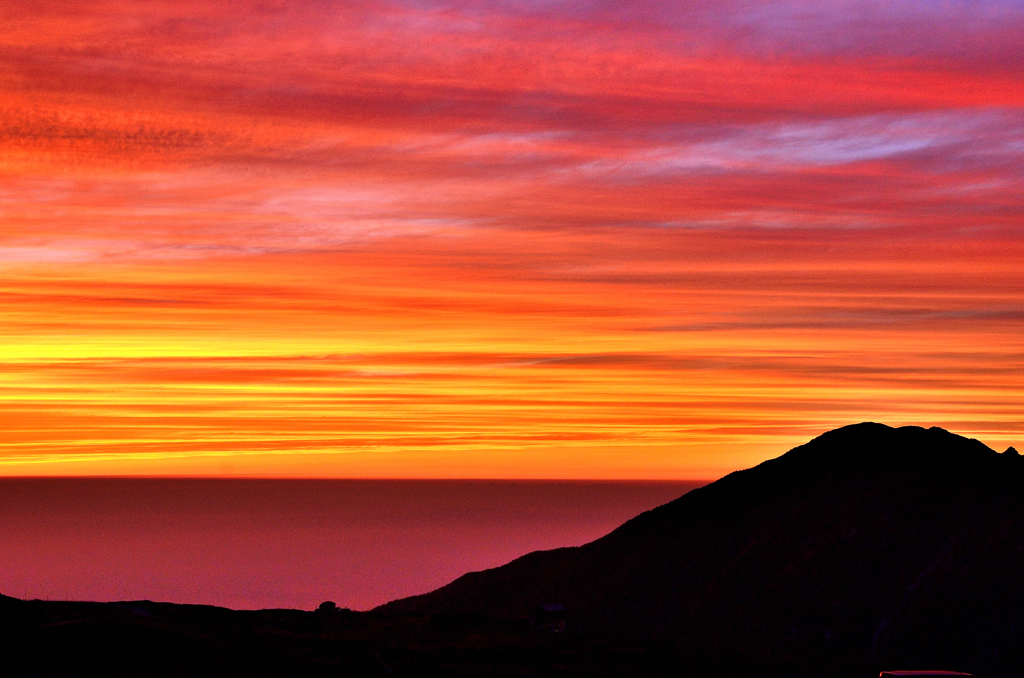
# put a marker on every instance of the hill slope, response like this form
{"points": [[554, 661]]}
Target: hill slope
{"points": [[867, 547]]}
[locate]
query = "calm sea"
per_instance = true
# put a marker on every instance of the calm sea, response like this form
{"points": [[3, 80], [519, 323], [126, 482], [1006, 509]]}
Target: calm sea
{"points": [[289, 543]]}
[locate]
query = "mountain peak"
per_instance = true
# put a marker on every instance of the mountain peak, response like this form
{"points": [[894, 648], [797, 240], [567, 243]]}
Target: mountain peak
{"points": [[871, 443], [866, 547]]}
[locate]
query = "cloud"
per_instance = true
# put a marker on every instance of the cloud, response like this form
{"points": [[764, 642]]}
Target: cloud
{"points": [[613, 229]]}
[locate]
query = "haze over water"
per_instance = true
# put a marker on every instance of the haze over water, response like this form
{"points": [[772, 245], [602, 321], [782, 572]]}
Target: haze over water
{"points": [[289, 543]]}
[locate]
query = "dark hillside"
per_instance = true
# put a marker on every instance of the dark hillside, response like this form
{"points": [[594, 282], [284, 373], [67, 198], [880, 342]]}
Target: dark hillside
{"points": [[161, 640], [867, 547]]}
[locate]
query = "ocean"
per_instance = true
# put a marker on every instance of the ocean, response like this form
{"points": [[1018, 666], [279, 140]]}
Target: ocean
{"points": [[251, 544]]}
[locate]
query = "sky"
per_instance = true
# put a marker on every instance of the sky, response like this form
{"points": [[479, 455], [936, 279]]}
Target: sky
{"points": [[653, 240]]}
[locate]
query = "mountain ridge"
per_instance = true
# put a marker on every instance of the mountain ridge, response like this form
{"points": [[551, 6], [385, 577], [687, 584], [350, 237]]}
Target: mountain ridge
{"points": [[868, 543]]}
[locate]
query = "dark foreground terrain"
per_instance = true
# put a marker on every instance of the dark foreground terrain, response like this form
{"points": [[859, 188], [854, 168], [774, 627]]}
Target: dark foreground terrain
{"points": [[46, 638], [868, 548]]}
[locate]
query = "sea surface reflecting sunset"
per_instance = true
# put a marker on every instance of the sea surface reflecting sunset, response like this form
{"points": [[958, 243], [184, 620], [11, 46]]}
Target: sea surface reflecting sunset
{"points": [[288, 543]]}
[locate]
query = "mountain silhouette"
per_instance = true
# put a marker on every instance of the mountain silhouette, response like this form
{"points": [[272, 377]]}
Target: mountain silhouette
{"points": [[868, 548]]}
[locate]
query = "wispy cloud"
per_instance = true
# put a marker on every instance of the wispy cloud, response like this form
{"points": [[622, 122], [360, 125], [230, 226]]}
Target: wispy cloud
{"points": [[657, 237]]}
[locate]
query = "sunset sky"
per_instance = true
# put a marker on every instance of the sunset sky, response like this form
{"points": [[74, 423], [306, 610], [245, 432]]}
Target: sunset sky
{"points": [[503, 239]]}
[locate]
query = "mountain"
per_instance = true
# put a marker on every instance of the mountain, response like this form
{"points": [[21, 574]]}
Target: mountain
{"points": [[868, 548]]}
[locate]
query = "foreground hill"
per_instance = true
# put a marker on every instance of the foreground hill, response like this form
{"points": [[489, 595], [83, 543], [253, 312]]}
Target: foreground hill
{"points": [[867, 547], [143, 638]]}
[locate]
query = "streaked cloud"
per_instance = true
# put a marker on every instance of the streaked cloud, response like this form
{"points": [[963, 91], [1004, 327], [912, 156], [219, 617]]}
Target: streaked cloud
{"points": [[502, 239]]}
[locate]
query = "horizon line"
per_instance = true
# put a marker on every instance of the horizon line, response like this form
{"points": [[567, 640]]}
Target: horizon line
{"points": [[358, 478]]}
